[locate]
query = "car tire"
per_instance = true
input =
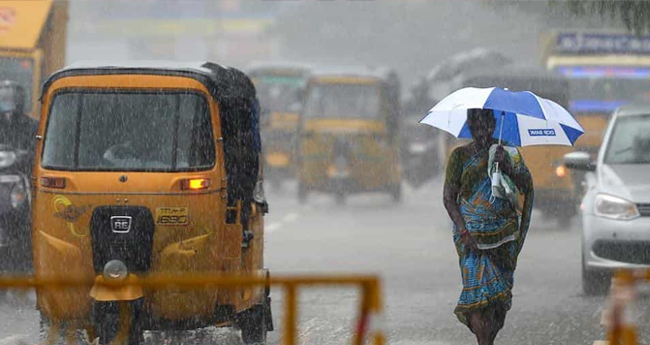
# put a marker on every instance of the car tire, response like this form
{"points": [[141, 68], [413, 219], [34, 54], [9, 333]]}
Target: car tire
{"points": [[594, 283], [302, 192]]}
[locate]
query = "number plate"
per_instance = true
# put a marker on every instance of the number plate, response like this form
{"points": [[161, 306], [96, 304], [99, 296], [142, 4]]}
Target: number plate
{"points": [[171, 215]]}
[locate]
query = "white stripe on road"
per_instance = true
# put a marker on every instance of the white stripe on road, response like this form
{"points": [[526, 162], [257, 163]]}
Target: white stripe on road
{"points": [[12, 339], [272, 227], [290, 218], [275, 226]]}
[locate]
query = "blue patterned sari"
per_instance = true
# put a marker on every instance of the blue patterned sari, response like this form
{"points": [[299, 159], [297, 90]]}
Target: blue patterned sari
{"points": [[487, 275]]}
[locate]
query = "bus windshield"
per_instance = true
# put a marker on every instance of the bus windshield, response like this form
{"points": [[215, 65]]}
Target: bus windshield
{"points": [[343, 101], [21, 71], [129, 131], [601, 89]]}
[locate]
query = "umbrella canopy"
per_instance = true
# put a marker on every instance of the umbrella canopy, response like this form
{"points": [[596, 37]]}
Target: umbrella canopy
{"points": [[523, 118]]}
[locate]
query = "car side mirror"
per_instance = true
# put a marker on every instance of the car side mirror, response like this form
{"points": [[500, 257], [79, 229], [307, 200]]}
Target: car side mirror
{"points": [[579, 161]]}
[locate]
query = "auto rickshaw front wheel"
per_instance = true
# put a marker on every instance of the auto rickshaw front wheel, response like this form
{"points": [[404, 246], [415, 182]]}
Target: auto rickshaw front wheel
{"points": [[396, 193]]}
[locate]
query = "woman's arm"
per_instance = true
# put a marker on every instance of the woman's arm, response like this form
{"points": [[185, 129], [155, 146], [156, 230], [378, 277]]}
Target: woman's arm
{"points": [[450, 199]]}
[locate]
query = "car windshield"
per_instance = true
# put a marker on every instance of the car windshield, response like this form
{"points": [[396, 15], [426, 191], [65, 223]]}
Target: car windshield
{"points": [[21, 71], [129, 131], [278, 93], [343, 101], [630, 141]]}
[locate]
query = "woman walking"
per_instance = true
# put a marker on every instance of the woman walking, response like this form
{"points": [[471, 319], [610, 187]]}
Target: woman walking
{"points": [[488, 231]]}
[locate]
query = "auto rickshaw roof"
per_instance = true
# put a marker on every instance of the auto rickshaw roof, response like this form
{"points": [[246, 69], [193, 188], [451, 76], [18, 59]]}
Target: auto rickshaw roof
{"points": [[213, 76], [281, 66], [382, 73]]}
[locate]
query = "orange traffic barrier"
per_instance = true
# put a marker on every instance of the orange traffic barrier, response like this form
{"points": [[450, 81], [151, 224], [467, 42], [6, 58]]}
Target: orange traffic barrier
{"points": [[369, 313]]}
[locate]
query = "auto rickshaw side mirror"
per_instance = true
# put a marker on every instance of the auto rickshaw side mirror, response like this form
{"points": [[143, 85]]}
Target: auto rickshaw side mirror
{"points": [[295, 107], [579, 161]]}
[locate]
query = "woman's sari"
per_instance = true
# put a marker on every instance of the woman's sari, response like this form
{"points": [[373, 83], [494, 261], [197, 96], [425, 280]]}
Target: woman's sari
{"points": [[488, 275]]}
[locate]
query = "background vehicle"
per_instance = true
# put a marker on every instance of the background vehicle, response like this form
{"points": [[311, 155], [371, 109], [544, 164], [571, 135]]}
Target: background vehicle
{"points": [[425, 149], [15, 201], [605, 70], [32, 45], [161, 182], [349, 133], [556, 189], [280, 89], [616, 207]]}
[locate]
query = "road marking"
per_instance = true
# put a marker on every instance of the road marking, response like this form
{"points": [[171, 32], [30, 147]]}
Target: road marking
{"points": [[275, 226], [290, 218], [13, 338], [272, 227]]}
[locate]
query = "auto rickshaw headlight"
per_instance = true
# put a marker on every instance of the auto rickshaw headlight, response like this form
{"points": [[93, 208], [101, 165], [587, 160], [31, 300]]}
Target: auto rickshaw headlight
{"points": [[115, 270], [18, 195], [7, 159]]}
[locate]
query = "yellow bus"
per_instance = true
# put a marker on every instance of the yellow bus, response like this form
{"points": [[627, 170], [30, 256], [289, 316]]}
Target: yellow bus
{"points": [[32, 44], [605, 70]]}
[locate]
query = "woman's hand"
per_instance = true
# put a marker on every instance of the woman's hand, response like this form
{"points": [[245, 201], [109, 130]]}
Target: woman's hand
{"points": [[468, 240], [500, 156]]}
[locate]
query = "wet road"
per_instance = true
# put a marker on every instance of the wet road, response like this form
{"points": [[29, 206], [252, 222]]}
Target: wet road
{"points": [[410, 246]]}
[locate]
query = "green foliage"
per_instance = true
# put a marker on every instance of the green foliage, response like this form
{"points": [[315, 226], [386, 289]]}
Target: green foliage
{"points": [[634, 14]]}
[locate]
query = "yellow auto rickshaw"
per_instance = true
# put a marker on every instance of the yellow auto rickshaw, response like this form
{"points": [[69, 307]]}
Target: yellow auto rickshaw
{"points": [[145, 170], [279, 88], [349, 133]]}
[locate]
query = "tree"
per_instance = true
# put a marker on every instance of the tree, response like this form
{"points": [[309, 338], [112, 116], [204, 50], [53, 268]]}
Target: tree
{"points": [[633, 13]]}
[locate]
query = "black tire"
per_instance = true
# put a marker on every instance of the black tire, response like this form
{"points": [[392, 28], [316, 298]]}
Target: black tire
{"points": [[340, 198], [45, 327], [595, 283], [107, 324], [253, 326], [302, 192], [396, 193]]}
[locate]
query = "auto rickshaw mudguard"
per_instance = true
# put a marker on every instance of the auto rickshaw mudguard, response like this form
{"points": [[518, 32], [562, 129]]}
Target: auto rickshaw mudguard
{"points": [[129, 291]]}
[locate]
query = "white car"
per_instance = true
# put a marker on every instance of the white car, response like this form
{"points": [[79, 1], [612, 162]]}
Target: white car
{"points": [[616, 206]]}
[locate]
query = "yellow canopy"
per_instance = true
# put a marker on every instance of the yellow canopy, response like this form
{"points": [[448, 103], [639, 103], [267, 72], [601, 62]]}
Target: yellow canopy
{"points": [[21, 22]]}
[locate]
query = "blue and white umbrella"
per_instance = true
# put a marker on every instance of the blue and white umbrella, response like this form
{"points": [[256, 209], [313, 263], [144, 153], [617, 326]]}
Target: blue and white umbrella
{"points": [[523, 118]]}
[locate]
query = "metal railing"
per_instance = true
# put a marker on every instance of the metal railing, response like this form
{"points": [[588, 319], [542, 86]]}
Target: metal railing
{"points": [[370, 310]]}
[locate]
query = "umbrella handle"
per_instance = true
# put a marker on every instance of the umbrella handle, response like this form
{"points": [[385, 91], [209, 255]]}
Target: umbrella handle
{"points": [[503, 116]]}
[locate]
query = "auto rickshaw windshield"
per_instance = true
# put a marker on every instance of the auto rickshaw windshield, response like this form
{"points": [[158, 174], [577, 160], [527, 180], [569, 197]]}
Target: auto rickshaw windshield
{"points": [[278, 93], [343, 101], [129, 131]]}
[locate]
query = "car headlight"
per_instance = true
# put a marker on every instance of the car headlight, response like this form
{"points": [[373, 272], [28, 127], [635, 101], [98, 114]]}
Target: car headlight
{"points": [[7, 159], [609, 206], [18, 195]]}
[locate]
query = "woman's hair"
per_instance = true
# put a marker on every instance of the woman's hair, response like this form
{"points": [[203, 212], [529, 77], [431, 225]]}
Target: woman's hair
{"points": [[475, 115]]}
